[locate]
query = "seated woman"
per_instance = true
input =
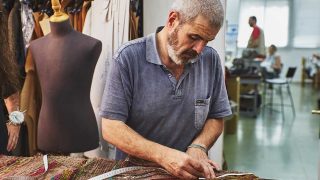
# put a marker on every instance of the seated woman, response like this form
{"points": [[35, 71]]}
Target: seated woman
{"points": [[312, 65], [271, 66]]}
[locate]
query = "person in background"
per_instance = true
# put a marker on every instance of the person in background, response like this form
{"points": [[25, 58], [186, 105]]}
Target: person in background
{"points": [[9, 95], [312, 65], [165, 97], [256, 40], [271, 66]]}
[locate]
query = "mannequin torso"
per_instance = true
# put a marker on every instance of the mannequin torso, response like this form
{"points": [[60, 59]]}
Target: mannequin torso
{"points": [[65, 62]]}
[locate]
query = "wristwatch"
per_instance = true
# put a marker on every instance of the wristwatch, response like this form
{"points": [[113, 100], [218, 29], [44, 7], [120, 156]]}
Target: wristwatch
{"points": [[16, 118]]}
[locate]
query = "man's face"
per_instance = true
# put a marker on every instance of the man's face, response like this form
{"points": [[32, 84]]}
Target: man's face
{"points": [[251, 22], [186, 41]]}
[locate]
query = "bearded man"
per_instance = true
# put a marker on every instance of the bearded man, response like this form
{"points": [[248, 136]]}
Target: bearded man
{"points": [[165, 97]]}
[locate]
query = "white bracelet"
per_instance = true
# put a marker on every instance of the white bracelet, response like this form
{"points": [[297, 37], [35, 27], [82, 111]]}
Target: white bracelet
{"points": [[204, 149], [16, 118]]}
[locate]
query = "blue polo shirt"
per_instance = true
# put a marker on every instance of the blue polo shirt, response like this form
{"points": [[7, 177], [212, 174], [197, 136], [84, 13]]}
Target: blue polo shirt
{"points": [[141, 92]]}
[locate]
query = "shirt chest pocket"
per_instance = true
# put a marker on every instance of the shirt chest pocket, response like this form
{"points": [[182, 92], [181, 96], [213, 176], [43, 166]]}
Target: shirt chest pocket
{"points": [[201, 112]]}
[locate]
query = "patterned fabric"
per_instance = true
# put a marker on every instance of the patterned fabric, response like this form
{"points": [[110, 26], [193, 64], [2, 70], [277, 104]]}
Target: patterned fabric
{"points": [[65, 167]]}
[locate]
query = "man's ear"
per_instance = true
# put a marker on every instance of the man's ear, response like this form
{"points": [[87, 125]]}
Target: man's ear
{"points": [[173, 20]]}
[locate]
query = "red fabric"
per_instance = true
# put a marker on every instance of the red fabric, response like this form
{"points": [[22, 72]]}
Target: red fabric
{"points": [[255, 33]]}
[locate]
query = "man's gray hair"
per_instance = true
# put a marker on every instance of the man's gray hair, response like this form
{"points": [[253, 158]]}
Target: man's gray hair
{"points": [[190, 9]]}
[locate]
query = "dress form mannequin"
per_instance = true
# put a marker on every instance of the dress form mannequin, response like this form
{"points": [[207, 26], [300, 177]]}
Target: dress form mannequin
{"points": [[65, 60]]}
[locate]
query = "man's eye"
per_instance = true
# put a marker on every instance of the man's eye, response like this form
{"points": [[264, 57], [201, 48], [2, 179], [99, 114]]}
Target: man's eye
{"points": [[194, 38]]}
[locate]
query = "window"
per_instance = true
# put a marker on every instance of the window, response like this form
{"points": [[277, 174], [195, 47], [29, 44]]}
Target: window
{"points": [[272, 17], [306, 24]]}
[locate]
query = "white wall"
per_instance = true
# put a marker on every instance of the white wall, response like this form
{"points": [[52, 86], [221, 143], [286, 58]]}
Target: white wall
{"points": [[155, 14], [232, 11]]}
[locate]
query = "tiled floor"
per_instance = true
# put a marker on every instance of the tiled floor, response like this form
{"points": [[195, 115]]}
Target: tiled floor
{"points": [[275, 148]]}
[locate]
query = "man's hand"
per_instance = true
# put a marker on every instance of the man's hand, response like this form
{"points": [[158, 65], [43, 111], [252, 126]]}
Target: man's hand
{"points": [[178, 163], [13, 133], [184, 166], [201, 156], [207, 137]]}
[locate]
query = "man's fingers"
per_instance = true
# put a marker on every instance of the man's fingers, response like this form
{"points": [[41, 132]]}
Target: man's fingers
{"points": [[186, 175], [215, 165], [212, 174], [208, 170], [193, 171], [196, 165], [201, 169]]}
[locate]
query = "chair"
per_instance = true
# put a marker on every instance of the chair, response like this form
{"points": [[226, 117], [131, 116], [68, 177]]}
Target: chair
{"points": [[281, 82]]}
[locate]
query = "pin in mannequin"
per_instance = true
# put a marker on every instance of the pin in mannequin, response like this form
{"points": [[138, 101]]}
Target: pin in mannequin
{"points": [[65, 60]]}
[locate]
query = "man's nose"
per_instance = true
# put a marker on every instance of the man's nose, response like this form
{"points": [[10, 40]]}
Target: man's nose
{"points": [[198, 47]]}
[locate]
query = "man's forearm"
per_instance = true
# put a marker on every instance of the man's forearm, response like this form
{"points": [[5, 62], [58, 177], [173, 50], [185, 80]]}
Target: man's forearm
{"points": [[130, 142], [210, 133]]}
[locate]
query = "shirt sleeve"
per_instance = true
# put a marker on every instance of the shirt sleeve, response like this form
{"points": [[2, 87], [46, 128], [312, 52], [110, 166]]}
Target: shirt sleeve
{"points": [[117, 95], [219, 106], [255, 33]]}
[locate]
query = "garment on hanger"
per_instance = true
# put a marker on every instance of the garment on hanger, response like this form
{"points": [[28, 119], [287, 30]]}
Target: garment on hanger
{"points": [[15, 37], [140, 15], [31, 102], [37, 28], [108, 21], [45, 25], [77, 10], [27, 23], [136, 19], [30, 97]]}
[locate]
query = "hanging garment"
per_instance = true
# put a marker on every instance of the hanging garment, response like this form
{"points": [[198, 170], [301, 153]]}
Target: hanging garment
{"points": [[45, 25], [31, 102], [27, 23], [85, 8], [37, 29], [30, 97], [108, 21], [136, 19], [15, 37]]}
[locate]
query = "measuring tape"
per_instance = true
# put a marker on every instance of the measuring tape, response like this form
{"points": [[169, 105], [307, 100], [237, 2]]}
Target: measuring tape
{"points": [[234, 174], [133, 168], [116, 172]]}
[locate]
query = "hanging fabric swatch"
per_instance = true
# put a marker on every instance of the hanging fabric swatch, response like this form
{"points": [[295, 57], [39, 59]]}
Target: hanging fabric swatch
{"points": [[108, 21]]}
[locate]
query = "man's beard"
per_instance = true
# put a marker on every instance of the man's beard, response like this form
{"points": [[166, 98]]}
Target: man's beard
{"points": [[179, 58]]}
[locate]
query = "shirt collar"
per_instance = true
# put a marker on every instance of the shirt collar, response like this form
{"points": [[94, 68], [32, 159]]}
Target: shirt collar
{"points": [[152, 54]]}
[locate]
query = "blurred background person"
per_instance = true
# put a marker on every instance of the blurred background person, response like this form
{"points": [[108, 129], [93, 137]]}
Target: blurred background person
{"points": [[271, 66], [256, 41]]}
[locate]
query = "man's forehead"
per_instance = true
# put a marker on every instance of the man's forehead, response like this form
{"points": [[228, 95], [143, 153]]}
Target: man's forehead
{"points": [[205, 30]]}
